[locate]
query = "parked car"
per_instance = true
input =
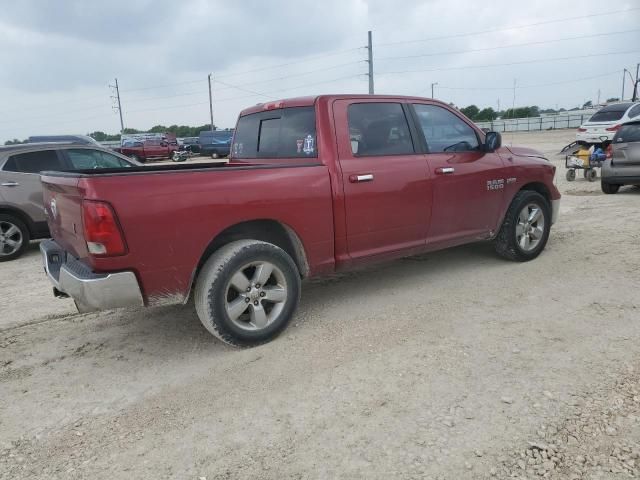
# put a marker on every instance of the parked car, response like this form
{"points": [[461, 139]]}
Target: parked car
{"points": [[623, 165], [314, 185], [22, 215], [216, 143], [144, 150], [191, 144], [79, 139], [604, 124]]}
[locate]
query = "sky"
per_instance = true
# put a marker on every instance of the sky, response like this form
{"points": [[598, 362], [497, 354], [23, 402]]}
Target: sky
{"points": [[58, 59]]}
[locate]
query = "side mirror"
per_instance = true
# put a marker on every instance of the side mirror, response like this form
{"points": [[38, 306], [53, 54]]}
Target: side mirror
{"points": [[492, 141]]}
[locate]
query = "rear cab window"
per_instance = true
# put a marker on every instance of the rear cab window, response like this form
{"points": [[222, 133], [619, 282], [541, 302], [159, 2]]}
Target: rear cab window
{"points": [[276, 134]]}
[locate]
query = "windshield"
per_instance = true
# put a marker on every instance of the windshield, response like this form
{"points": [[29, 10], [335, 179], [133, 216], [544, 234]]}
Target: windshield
{"points": [[607, 116]]}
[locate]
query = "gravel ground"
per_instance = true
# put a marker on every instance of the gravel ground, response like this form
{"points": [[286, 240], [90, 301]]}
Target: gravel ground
{"points": [[453, 365]]}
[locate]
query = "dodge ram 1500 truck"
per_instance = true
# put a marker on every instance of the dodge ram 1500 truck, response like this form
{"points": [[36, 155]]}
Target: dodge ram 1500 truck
{"points": [[313, 185]]}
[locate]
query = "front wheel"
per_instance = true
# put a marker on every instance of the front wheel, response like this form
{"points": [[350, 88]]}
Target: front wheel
{"points": [[591, 174], [525, 229], [215, 155], [571, 175], [247, 292]]}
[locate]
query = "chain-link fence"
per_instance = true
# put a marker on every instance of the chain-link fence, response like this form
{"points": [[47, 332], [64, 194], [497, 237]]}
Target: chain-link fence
{"points": [[546, 122]]}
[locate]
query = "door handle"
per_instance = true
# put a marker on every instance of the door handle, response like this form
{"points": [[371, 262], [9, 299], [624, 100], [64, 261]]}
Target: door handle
{"points": [[367, 177], [445, 170], [9, 184]]}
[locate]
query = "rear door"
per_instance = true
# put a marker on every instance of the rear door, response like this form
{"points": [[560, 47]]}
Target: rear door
{"points": [[468, 183], [20, 181], [385, 180]]}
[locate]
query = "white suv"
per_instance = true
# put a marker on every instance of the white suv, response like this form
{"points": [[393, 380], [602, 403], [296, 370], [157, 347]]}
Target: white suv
{"points": [[604, 124]]}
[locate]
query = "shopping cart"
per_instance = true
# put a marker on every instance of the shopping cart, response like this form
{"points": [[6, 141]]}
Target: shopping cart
{"points": [[584, 160]]}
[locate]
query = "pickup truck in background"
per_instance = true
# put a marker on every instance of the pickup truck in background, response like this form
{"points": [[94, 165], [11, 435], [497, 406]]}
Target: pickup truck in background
{"points": [[313, 185], [144, 150]]}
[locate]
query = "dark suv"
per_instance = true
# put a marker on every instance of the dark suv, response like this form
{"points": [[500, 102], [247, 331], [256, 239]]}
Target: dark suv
{"points": [[22, 216], [623, 168]]}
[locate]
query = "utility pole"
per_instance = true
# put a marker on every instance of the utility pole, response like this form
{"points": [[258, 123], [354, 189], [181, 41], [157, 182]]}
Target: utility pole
{"points": [[598, 96], [624, 72], [119, 107], [370, 61], [635, 84], [210, 101], [513, 106], [433, 85]]}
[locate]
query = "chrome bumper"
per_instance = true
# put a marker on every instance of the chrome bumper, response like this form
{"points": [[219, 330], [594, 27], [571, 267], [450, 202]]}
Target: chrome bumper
{"points": [[91, 291], [555, 210]]}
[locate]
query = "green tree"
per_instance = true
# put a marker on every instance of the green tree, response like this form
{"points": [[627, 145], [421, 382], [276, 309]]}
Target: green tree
{"points": [[486, 114], [15, 141], [587, 104], [613, 99], [471, 111]]}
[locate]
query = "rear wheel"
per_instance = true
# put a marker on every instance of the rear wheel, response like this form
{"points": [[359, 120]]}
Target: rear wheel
{"points": [[525, 230], [14, 237], [609, 188], [247, 292]]}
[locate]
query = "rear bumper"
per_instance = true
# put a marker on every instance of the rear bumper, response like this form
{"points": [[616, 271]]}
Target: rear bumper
{"points": [[555, 210], [595, 138], [91, 291]]}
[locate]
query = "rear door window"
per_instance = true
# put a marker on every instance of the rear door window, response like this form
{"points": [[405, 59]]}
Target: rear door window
{"points": [[378, 129], [634, 111], [444, 131], [284, 133], [34, 162]]}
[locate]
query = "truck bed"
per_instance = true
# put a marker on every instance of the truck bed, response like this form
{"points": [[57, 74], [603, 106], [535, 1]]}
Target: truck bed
{"points": [[171, 213]]}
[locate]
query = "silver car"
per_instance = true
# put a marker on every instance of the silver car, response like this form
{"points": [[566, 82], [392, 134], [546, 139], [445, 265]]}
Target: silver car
{"points": [[623, 168], [22, 216]]}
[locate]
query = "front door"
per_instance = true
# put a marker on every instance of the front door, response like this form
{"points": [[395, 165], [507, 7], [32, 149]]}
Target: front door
{"points": [[468, 183], [387, 196]]}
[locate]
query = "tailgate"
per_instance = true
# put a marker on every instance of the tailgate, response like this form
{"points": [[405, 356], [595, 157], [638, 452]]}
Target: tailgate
{"points": [[63, 204], [626, 154]]}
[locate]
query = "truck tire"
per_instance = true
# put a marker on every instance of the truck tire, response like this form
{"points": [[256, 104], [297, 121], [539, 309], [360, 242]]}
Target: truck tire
{"points": [[14, 237], [609, 188], [247, 292], [525, 229]]}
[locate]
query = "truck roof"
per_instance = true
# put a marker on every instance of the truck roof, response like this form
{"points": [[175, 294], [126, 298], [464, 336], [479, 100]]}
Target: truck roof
{"points": [[311, 100]]}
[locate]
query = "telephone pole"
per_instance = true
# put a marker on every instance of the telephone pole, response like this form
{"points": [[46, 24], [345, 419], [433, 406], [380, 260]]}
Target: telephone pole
{"points": [[119, 107], [210, 101], [635, 84], [370, 61], [624, 72], [433, 85]]}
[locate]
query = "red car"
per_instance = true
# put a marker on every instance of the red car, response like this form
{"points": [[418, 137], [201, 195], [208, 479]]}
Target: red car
{"points": [[143, 150], [314, 185]]}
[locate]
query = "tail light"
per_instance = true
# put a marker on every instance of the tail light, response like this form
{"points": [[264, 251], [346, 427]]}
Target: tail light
{"points": [[615, 128], [101, 230], [582, 129]]}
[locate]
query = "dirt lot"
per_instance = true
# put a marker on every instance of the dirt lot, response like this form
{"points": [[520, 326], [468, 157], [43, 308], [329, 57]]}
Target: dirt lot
{"points": [[455, 365]]}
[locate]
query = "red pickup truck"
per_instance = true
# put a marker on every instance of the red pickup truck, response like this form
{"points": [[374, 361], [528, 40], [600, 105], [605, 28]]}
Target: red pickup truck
{"points": [[314, 185], [143, 150]]}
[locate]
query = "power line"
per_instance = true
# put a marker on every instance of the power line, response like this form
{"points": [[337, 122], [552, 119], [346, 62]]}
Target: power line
{"points": [[575, 80], [540, 42], [504, 29], [507, 64], [242, 89], [308, 59]]}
